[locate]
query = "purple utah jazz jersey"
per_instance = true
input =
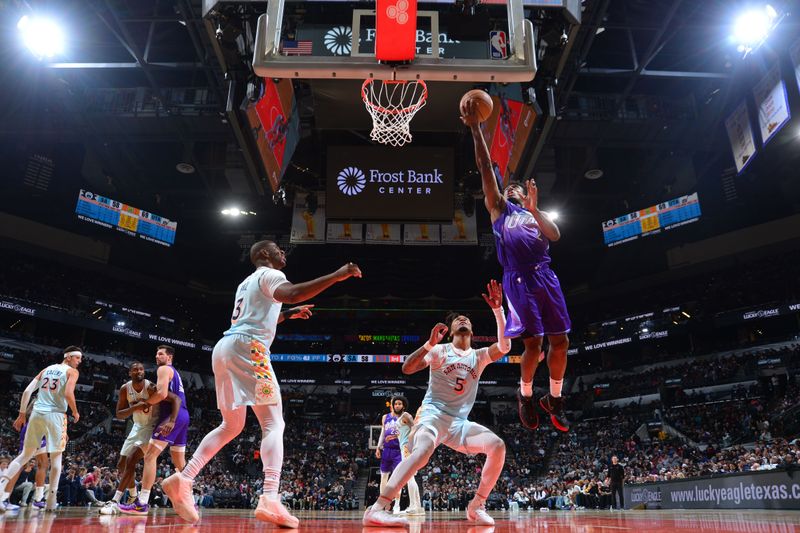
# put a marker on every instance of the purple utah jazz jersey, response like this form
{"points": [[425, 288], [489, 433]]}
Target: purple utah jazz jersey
{"points": [[175, 387], [390, 432], [520, 242]]}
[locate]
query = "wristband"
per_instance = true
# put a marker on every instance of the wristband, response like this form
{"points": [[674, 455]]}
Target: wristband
{"points": [[428, 346]]}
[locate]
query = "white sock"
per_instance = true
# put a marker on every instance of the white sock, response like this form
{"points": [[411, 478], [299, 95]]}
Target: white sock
{"points": [[526, 388], [117, 497], [38, 494], [555, 387], [144, 497]]}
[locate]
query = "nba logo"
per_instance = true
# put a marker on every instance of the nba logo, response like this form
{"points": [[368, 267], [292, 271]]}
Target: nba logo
{"points": [[497, 45]]}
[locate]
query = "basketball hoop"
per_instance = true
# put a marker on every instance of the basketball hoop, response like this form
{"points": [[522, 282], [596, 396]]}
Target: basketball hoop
{"points": [[392, 104]]}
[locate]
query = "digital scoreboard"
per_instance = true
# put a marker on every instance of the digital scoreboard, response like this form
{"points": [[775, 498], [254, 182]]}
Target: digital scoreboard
{"points": [[125, 218], [652, 220]]}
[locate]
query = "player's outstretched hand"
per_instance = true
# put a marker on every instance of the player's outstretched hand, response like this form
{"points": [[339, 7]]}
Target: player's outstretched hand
{"points": [[347, 271], [531, 200], [469, 114], [493, 294], [19, 422], [302, 312], [437, 333]]}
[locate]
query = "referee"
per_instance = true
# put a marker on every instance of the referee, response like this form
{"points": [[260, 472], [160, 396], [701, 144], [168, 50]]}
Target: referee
{"points": [[617, 476]]}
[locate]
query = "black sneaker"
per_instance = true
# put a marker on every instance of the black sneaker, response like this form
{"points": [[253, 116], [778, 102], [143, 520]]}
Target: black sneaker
{"points": [[555, 408], [527, 411]]}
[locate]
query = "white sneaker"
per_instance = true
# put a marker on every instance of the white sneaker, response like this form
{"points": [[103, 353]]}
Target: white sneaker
{"points": [[179, 491], [110, 508], [274, 512], [476, 512], [382, 518], [415, 511]]}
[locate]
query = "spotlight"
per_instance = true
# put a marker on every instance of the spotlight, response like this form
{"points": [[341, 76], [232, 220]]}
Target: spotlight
{"points": [[552, 215], [232, 212], [41, 36], [753, 27], [121, 323]]}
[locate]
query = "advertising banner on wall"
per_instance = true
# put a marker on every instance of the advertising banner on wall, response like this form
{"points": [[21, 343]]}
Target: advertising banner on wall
{"points": [[772, 489], [382, 184]]}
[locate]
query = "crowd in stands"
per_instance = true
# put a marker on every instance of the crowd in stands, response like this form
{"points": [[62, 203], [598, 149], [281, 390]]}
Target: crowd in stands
{"points": [[325, 455]]}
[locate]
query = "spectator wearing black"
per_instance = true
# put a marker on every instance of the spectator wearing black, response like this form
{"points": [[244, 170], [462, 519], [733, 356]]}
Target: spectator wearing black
{"points": [[617, 476]]}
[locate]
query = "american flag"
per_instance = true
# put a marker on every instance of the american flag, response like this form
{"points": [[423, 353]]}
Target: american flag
{"points": [[297, 48]]}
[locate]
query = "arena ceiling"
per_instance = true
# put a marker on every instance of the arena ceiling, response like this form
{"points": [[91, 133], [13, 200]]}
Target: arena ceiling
{"points": [[640, 89]]}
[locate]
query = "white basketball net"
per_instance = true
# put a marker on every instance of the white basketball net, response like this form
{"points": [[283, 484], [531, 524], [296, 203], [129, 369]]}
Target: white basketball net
{"points": [[392, 105]]}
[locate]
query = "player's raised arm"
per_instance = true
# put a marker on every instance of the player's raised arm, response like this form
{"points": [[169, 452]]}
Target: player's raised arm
{"points": [[494, 297], [418, 361], [292, 293], [492, 197]]}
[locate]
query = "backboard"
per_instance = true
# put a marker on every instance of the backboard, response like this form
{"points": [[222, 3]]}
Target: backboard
{"points": [[346, 50]]}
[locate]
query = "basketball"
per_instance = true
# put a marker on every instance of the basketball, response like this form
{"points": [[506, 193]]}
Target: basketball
{"points": [[483, 101]]}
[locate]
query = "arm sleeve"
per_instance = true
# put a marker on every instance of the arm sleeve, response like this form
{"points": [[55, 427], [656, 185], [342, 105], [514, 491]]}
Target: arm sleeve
{"points": [[435, 358], [270, 280]]}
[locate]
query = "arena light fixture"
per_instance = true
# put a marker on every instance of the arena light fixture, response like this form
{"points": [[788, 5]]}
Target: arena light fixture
{"points": [[753, 27], [236, 212], [42, 36], [552, 215]]}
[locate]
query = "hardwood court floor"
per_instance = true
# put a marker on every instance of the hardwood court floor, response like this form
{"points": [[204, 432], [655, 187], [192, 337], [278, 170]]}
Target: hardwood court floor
{"points": [[83, 520]]}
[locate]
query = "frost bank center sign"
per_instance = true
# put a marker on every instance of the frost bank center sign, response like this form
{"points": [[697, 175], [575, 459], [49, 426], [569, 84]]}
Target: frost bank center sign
{"points": [[375, 184]]}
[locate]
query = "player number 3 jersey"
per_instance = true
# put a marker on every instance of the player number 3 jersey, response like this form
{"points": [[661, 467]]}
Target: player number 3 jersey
{"points": [[454, 376], [255, 310]]}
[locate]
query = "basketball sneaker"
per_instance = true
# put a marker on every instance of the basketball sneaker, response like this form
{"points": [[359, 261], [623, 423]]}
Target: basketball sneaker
{"points": [[39, 504], [555, 408], [476, 512], [9, 507], [136, 508], [179, 491], [274, 512], [527, 411], [382, 518], [110, 508], [415, 511]]}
